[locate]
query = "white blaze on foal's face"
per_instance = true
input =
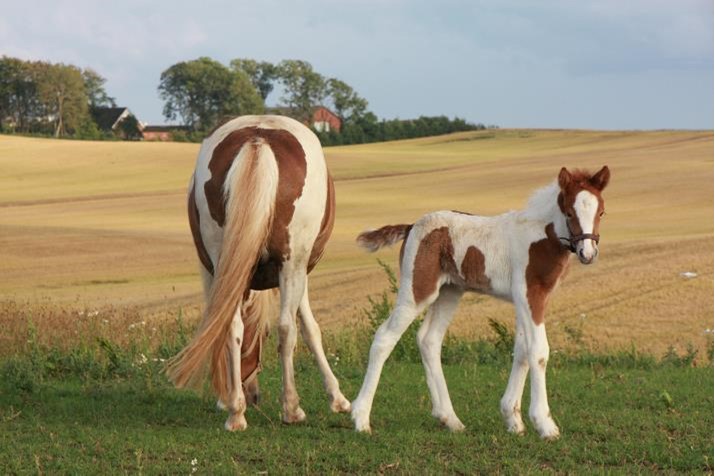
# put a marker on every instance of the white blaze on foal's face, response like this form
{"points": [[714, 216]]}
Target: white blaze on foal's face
{"points": [[586, 207]]}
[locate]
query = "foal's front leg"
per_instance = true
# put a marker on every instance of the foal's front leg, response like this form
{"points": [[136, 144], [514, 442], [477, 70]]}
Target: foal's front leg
{"points": [[537, 356], [511, 401]]}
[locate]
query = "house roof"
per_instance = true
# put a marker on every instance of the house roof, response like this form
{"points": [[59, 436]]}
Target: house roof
{"points": [[106, 118]]}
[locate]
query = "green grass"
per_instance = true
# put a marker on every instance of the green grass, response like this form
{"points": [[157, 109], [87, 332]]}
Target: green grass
{"points": [[615, 418]]}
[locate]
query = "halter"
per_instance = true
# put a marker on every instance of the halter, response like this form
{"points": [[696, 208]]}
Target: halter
{"points": [[573, 240]]}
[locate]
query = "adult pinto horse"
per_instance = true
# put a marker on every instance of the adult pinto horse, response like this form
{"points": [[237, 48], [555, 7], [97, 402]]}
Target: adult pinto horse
{"points": [[518, 256], [261, 209]]}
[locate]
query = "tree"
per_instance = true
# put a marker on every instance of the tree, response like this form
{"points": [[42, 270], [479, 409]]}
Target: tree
{"points": [[202, 91], [61, 90], [19, 102], [261, 73], [304, 88], [345, 101], [94, 88]]}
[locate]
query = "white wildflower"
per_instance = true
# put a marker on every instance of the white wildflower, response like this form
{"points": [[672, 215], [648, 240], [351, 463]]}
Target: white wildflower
{"points": [[688, 274]]}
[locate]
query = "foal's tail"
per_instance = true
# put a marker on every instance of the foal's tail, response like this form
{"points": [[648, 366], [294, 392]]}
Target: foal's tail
{"points": [[250, 191], [387, 235]]}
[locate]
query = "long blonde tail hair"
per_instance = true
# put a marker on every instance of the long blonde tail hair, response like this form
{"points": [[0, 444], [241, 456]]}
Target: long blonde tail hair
{"points": [[251, 186]]}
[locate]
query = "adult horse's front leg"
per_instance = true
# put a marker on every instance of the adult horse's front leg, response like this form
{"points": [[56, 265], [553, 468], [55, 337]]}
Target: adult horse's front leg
{"points": [[311, 335], [292, 288]]}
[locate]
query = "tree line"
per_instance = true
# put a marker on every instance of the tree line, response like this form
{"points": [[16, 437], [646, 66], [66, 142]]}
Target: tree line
{"points": [[201, 92], [55, 98], [49, 98]]}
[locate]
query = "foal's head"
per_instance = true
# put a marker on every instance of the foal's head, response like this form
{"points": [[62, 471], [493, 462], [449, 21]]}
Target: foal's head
{"points": [[582, 205]]}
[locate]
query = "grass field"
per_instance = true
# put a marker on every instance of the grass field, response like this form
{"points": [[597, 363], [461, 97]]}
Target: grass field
{"points": [[100, 283], [616, 418], [101, 225]]}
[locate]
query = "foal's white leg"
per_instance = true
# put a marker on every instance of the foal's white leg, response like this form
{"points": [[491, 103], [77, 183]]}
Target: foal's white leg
{"points": [[511, 401], [386, 337], [236, 405], [430, 343], [311, 335], [292, 288], [537, 354]]}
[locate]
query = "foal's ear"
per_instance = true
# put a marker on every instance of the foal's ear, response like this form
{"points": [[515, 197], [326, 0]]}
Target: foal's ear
{"points": [[564, 178], [600, 180]]}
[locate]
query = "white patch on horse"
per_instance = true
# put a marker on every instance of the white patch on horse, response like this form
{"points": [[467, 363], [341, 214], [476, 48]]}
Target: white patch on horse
{"points": [[586, 207]]}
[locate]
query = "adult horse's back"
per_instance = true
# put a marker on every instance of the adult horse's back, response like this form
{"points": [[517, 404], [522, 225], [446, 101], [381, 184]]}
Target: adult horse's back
{"points": [[261, 209]]}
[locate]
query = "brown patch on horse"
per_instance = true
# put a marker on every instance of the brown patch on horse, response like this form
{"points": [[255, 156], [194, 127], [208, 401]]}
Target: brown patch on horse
{"points": [[194, 224], [435, 255], [548, 261], [290, 158], [326, 226], [473, 270]]}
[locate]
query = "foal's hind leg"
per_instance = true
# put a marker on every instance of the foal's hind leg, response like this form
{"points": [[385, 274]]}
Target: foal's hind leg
{"points": [[292, 287], [429, 339], [386, 337], [311, 335]]}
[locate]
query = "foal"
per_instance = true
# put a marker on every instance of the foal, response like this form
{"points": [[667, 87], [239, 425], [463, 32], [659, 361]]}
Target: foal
{"points": [[518, 256]]}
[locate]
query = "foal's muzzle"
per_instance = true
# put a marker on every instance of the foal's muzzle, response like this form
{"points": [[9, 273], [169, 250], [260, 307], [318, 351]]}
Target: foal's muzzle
{"points": [[573, 242]]}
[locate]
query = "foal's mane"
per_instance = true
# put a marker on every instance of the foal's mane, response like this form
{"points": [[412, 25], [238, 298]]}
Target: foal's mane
{"points": [[543, 203]]}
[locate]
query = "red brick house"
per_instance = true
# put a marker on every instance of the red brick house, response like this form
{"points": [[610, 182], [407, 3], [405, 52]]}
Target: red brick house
{"points": [[325, 120]]}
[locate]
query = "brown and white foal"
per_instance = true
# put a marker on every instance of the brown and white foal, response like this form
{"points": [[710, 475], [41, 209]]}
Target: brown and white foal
{"points": [[261, 209], [519, 256]]}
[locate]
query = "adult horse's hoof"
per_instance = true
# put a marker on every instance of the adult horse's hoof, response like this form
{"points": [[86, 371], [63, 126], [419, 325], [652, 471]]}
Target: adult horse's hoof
{"points": [[236, 422], [340, 404], [294, 416]]}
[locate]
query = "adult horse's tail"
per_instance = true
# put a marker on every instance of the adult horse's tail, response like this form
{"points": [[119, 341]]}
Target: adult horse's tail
{"points": [[388, 235], [250, 190]]}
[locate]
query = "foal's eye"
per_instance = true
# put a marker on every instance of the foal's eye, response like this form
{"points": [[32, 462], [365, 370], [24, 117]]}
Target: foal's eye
{"points": [[569, 215], [602, 213]]}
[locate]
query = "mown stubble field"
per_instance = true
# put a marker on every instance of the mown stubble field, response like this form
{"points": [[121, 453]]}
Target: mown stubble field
{"points": [[101, 225]]}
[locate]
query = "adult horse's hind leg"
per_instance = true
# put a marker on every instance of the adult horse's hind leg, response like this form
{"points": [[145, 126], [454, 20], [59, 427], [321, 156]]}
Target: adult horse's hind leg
{"points": [[429, 339], [311, 335], [292, 287], [236, 405]]}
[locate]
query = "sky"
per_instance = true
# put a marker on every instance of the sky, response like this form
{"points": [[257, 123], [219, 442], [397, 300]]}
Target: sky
{"points": [[587, 64]]}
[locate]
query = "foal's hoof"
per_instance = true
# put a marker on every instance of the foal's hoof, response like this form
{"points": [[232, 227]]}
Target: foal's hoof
{"points": [[294, 416], [235, 422], [547, 428], [453, 424], [340, 405], [361, 420]]}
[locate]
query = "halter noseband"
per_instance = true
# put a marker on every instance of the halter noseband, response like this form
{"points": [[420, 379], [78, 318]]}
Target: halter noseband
{"points": [[573, 240]]}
